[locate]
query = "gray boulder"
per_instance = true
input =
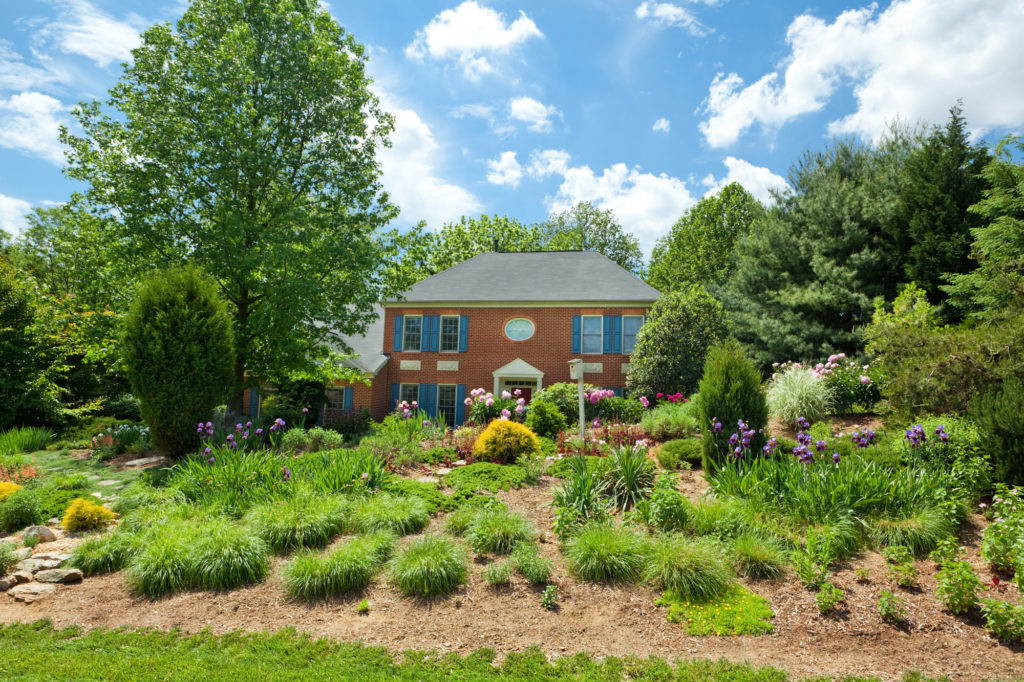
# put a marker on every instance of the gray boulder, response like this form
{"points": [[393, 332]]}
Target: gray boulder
{"points": [[42, 532], [30, 592], [59, 575]]}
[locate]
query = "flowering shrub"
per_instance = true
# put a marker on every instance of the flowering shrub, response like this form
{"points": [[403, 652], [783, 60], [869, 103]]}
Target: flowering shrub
{"points": [[7, 488], [619, 435], [484, 407], [84, 514], [413, 424], [564, 396], [846, 383], [503, 441], [17, 472], [122, 438]]}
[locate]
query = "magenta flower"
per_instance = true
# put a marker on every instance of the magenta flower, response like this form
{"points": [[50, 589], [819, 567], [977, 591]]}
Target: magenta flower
{"points": [[644, 401], [505, 414], [468, 401], [865, 380]]}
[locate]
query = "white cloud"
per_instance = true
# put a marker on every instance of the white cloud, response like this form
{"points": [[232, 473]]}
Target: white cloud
{"points": [[15, 74], [468, 33], [645, 204], [911, 61], [411, 175], [29, 122], [81, 28], [662, 125], [504, 170], [667, 14], [12, 214], [534, 113], [757, 180]]}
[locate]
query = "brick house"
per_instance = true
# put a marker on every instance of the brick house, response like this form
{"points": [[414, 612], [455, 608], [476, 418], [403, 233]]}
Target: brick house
{"points": [[498, 321]]}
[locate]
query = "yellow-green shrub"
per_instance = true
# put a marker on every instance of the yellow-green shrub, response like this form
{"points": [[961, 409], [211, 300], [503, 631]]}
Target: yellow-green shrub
{"points": [[83, 514], [7, 488], [504, 440]]}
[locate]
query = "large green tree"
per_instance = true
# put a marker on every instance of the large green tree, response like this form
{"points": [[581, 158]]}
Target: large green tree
{"points": [[432, 252], [584, 227], [701, 246], [243, 140], [941, 180]]}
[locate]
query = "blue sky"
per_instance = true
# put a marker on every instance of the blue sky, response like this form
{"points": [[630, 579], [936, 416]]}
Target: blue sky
{"points": [[525, 107]]}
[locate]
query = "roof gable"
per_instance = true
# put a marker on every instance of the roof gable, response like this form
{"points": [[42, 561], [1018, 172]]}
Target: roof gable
{"points": [[534, 277]]}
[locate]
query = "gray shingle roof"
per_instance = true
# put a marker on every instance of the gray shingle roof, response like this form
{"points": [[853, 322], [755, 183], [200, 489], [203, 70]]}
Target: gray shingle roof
{"points": [[533, 277], [369, 347]]}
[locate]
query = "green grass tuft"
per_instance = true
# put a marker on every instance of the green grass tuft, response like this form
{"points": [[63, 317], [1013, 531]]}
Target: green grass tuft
{"points": [[602, 552], [534, 567], [694, 570], [498, 531], [300, 521], [403, 515], [921, 531], [311, 575], [758, 558], [429, 566]]}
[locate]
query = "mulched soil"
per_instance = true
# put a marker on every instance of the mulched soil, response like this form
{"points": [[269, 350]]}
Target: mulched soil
{"points": [[602, 620]]}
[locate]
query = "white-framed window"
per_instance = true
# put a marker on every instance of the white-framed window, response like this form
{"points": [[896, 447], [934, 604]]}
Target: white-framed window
{"points": [[446, 403], [449, 333], [409, 393], [593, 334], [630, 327], [413, 332]]}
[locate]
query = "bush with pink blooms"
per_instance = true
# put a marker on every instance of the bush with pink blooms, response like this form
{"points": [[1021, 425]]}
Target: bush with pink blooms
{"points": [[850, 385], [483, 407]]}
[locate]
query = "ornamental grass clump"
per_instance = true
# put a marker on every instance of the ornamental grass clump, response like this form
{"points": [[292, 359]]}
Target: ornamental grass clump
{"points": [[503, 441], [534, 567], [7, 557], [428, 566], [920, 531], [691, 569], [311, 575], [798, 392], [83, 514], [402, 515], [105, 553], [301, 521], [603, 552], [225, 556], [755, 557], [498, 531], [630, 476]]}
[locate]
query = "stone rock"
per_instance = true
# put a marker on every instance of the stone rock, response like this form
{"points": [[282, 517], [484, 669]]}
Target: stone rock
{"points": [[427, 479], [99, 495], [52, 556], [22, 553], [42, 532], [107, 482], [36, 565], [443, 471], [22, 576], [59, 575], [460, 463], [31, 592], [144, 461], [7, 582], [53, 522]]}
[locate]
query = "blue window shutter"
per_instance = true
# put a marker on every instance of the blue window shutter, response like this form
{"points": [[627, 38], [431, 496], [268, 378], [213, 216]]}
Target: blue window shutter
{"points": [[394, 397], [349, 391], [433, 338], [617, 392], [254, 403], [460, 404], [428, 399], [577, 339], [463, 333], [616, 333], [608, 333], [397, 345]]}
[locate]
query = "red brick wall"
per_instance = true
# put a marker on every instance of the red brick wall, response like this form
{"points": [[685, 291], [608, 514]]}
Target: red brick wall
{"points": [[549, 349]]}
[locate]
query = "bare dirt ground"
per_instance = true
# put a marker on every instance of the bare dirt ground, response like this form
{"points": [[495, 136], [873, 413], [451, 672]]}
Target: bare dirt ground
{"points": [[602, 620]]}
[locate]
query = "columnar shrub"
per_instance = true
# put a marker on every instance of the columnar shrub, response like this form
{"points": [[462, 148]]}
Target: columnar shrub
{"points": [[178, 354], [503, 441], [545, 419], [730, 392], [997, 414]]}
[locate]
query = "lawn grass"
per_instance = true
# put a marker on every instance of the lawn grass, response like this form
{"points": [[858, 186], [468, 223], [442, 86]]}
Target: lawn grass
{"points": [[37, 651], [52, 462]]}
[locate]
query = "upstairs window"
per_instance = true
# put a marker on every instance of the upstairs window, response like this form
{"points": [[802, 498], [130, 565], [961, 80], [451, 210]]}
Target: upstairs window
{"points": [[449, 333], [630, 327], [413, 333], [593, 329]]}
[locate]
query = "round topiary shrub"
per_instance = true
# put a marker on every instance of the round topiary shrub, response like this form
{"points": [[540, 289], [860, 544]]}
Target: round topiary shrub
{"points": [[503, 441], [83, 514], [429, 565], [545, 419], [178, 354], [674, 452]]}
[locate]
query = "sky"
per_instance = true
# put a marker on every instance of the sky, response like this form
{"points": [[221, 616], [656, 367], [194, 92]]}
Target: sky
{"points": [[525, 107]]}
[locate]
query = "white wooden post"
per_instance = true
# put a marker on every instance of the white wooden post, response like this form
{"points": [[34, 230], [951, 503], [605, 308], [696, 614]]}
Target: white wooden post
{"points": [[576, 372]]}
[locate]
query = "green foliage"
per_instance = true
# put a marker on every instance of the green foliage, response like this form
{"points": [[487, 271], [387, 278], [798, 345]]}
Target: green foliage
{"points": [[498, 531], [24, 439], [668, 421], [471, 236], [692, 569], [755, 557], [946, 550], [603, 552], [21, 508], [828, 597], [545, 419], [1005, 534], [720, 516], [7, 557], [486, 476], [920, 531], [900, 561], [618, 410], [299, 521], [364, 607], [178, 354], [499, 572], [549, 597], [352, 566], [503, 441], [1003, 619], [667, 509], [958, 586], [892, 608], [587, 228], [672, 343], [402, 515], [796, 392], [674, 452], [630, 476], [565, 396], [428, 566], [528, 561], [104, 553], [729, 391], [580, 499], [997, 414], [533, 467], [737, 611]]}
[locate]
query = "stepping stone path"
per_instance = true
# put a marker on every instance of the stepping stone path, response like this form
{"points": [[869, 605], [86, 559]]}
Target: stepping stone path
{"points": [[36, 565], [108, 482], [42, 532], [7, 582], [427, 479], [59, 575], [144, 462], [443, 471], [23, 553], [22, 576], [31, 592]]}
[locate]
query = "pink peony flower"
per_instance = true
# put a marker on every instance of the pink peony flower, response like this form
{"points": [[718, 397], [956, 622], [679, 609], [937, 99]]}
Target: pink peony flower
{"points": [[506, 395], [505, 414], [865, 380], [468, 401], [489, 402], [644, 401]]}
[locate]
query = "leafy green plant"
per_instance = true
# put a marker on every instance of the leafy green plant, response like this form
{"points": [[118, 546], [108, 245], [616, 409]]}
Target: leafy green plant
{"points": [[545, 419], [1000, 538], [755, 557], [105, 553], [499, 572], [300, 521], [693, 570], [946, 550], [997, 414], [617, 410], [671, 421], [730, 391], [498, 531], [630, 476], [24, 439], [602, 552], [403, 515], [892, 608], [428, 566], [580, 499], [737, 611], [958, 586], [1003, 619], [549, 597], [797, 392], [340, 471], [7, 557], [21, 508], [534, 567], [533, 467], [680, 453], [828, 597], [486, 476], [30, 541], [900, 561], [666, 509], [862, 575], [363, 607]]}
